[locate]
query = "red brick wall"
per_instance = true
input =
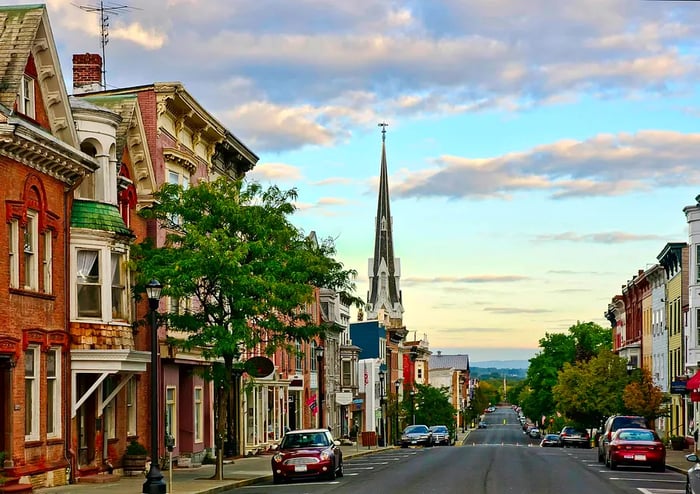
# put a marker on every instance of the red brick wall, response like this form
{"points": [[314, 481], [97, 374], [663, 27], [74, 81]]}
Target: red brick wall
{"points": [[87, 69]]}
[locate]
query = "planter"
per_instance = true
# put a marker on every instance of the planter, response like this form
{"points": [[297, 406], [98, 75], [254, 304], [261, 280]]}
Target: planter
{"points": [[678, 443], [134, 463]]}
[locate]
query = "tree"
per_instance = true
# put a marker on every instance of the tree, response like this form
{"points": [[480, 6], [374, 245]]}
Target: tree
{"points": [[431, 406], [582, 341], [232, 251], [643, 397]]}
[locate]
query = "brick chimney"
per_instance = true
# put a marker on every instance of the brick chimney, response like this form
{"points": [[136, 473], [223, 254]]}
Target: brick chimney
{"points": [[87, 73]]}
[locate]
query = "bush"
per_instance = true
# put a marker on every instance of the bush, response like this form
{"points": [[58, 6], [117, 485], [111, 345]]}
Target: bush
{"points": [[135, 448], [678, 442]]}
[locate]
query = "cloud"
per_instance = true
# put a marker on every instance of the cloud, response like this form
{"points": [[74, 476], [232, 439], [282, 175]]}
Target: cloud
{"points": [[515, 310], [275, 172], [601, 237], [598, 166], [486, 278]]}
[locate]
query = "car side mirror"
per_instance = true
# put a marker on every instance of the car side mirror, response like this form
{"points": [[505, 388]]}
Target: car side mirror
{"points": [[274, 447], [336, 442], [692, 457]]}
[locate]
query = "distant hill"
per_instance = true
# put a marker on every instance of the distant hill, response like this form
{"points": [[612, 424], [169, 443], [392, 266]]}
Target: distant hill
{"points": [[501, 364]]}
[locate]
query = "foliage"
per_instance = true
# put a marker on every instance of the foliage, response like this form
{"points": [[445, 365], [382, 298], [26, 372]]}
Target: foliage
{"points": [[643, 397], [582, 341], [246, 270], [431, 406], [135, 448]]}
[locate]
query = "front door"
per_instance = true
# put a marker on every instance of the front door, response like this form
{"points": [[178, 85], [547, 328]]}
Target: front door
{"points": [[86, 422], [5, 406]]}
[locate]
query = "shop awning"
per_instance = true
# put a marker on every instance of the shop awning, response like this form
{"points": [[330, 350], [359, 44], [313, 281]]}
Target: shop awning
{"points": [[694, 382]]}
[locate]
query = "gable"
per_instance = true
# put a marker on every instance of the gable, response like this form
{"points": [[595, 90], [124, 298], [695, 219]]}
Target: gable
{"points": [[27, 47]]}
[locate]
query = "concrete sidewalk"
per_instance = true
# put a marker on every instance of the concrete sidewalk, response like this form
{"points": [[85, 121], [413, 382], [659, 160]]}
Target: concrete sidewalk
{"points": [[240, 472]]}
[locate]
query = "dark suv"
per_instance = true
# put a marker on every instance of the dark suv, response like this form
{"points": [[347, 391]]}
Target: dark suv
{"points": [[614, 423], [574, 436]]}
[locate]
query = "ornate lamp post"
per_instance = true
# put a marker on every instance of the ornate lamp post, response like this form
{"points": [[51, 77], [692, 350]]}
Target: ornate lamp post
{"points": [[154, 483], [382, 426], [413, 405], [397, 385], [319, 358]]}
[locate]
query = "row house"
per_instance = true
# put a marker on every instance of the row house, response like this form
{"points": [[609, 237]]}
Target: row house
{"points": [[453, 373]]}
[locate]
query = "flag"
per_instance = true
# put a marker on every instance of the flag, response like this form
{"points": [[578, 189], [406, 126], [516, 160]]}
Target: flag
{"points": [[543, 419], [312, 404], [366, 375]]}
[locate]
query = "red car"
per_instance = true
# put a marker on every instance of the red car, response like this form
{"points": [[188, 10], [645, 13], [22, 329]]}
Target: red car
{"points": [[636, 447], [307, 453]]}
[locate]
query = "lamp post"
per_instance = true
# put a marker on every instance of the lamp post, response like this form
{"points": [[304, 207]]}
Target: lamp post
{"points": [[154, 483], [382, 426], [319, 358], [397, 385], [413, 405]]}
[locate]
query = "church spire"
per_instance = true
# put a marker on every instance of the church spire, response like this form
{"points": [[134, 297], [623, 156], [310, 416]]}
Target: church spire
{"points": [[384, 269]]}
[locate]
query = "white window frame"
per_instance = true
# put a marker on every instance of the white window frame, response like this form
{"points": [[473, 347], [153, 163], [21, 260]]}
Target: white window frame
{"points": [[26, 98], [53, 406], [30, 252], [171, 412], [14, 253], [198, 414], [48, 262], [118, 285], [86, 282], [32, 403], [131, 403]]}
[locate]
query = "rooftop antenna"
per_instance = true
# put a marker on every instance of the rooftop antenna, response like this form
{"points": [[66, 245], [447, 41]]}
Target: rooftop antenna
{"points": [[105, 11]]}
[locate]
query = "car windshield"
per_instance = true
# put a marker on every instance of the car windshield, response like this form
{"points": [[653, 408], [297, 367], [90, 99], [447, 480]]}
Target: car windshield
{"points": [[636, 435], [438, 428], [628, 422], [551, 436], [415, 429], [304, 440]]}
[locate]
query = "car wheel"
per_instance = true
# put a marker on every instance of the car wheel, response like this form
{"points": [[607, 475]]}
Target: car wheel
{"points": [[607, 461], [600, 457], [276, 479], [331, 474], [339, 473], [613, 464], [404, 445], [688, 490]]}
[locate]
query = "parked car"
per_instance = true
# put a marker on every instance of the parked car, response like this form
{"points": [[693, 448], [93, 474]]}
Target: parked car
{"points": [[441, 435], [483, 424], [534, 432], [692, 477], [612, 424], [636, 447], [416, 435], [550, 441], [307, 453], [574, 436]]}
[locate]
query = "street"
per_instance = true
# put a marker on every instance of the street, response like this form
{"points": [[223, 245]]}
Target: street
{"points": [[497, 460]]}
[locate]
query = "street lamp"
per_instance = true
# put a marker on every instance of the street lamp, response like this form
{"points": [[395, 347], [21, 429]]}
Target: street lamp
{"points": [[154, 483], [413, 405], [382, 376], [319, 357], [397, 385]]}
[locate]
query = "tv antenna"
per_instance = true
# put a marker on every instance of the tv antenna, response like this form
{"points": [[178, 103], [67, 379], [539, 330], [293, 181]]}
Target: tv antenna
{"points": [[105, 11]]}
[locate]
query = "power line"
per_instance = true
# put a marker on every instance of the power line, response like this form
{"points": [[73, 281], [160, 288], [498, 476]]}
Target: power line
{"points": [[105, 11]]}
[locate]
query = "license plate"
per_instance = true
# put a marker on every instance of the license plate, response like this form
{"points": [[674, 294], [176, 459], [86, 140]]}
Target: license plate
{"points": [[300, 468], [640, 457], [414, 442]]}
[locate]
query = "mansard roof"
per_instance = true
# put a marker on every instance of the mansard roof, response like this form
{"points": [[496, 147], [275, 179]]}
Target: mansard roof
{"points": [[459, 362]]}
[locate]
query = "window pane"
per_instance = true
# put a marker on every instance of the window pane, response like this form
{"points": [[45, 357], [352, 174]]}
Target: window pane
{"points": [[51, 364], [29, 364]]}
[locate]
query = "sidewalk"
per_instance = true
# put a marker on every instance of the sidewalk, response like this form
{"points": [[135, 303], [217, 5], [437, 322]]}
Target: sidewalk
{"points": [[242, 471]]}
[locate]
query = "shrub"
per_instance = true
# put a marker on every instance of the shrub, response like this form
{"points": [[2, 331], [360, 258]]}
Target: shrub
{"points": [[135, 448]]}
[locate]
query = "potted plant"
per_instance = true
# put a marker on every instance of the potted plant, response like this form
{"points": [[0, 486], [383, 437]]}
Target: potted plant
{"points": [[678, 443], [135, 457]]}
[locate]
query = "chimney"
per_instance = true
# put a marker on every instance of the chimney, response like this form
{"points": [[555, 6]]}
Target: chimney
{"points": [[87, 73]]}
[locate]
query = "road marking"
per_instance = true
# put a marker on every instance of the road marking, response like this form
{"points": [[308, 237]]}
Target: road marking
{"points": [[632, 479], [345, 467], [656, 491]]}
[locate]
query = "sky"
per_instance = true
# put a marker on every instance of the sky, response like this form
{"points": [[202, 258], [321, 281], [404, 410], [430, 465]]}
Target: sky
{"points": [[540, 153]]}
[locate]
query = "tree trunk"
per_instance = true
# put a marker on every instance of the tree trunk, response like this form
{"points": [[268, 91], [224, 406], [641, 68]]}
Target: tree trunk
{"points": [[219, 428]]}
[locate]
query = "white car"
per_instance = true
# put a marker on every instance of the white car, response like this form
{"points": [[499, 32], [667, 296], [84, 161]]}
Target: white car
{"points": [[534, 432]]}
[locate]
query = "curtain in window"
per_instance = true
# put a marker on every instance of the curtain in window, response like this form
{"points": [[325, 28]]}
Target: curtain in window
{"points": [[86, 261]]}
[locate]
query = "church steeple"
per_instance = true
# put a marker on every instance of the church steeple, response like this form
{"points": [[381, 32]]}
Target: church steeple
{"points": [[384, 269]]}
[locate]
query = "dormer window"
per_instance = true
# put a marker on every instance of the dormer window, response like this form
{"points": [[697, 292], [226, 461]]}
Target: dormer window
{"points": [[26, 103]]}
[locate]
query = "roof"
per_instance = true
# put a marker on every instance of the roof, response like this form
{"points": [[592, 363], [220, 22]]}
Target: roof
{"points": [[441, 361], [98, 216]]}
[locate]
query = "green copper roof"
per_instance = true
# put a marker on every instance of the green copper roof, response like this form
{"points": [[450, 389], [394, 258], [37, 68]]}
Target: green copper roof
{"points": [[98, 216]]}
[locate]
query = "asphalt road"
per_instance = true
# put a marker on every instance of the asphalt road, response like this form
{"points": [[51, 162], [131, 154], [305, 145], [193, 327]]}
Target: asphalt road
{"points": [[497, 460]]}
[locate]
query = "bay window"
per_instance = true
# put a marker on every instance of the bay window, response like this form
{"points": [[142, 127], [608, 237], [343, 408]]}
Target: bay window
{"points": [[88, 283]]}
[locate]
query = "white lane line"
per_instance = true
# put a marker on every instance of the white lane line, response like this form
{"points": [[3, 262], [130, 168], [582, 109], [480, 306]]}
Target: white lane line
{"points": [[632, 479], [657, 491], [345, 467]]}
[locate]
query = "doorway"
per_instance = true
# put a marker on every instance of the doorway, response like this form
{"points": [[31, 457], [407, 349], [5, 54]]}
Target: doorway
{"points": [[5, 405], [86, 422]]}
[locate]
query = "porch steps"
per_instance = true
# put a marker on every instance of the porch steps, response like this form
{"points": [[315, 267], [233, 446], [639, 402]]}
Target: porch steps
{"points": [[12, 485]]}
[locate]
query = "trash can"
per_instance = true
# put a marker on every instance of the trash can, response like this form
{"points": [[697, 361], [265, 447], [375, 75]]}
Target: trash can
{"points": [[369, 438]]}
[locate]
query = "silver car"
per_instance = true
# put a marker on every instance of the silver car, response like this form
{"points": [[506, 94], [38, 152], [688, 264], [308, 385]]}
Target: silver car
{"points": [[441, 435], [415, 435], [692, 479]]}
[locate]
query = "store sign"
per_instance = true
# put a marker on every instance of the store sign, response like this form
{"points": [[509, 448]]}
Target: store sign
{"points": [[343, 398], [679, 387]]}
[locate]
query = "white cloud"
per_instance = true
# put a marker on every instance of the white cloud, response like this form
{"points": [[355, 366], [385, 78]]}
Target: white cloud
{"points": [[275, 172]]}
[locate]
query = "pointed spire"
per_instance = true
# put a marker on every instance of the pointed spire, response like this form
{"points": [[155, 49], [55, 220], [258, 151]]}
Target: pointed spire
{"points": [[384, 268]]}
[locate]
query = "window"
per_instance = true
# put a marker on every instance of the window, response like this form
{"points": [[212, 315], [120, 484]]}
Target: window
{"points": [[88, 283], [300, 357], [31, 394], [312, 351], [25, 98], [48, 262], [170, 412], [178, 178], [30, 252], [118, 288], [14, 254], [697, 263], [109, 412], [419, 372], [131, 407], [198, 414], [53, 393], [347, 373]]}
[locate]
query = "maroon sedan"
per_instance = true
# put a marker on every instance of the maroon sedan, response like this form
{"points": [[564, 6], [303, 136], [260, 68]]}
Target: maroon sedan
{"points": [[636, 447], [307, 453]]}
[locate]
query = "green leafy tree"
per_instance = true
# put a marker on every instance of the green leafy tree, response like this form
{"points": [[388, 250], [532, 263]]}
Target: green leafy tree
{"points": [[232, 250], [582, 341], [431, 406]]}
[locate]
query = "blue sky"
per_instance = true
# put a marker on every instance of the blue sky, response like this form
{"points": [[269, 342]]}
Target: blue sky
{"points": [[539, 152]]}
